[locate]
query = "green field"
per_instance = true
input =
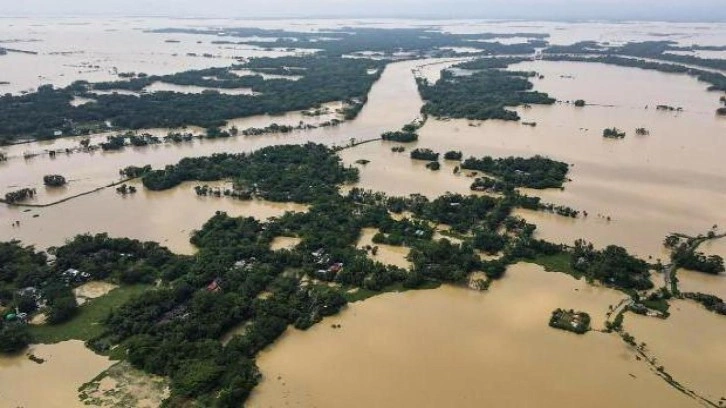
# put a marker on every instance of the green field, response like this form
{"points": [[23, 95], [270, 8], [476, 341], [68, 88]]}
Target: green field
{"points": [[86, 324]]}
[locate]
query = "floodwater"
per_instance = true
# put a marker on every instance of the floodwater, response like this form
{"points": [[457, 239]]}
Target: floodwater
{"points": [[650, 186], [191, 89], [694, 352], [52, 384], [70, 49], [167, 217], [397, 174], [246, 72], [284, 243], [92, 290], [386, 254], [446, 347], [392, 102], [463, 348], [147, 215]]}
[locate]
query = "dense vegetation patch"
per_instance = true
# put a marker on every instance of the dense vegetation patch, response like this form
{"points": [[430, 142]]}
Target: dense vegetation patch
{"points": [[323, 79], [612, 266], [54, 180], [710, 302], [424, 154], [278, 173], [400, 136], [684, 254], [534, 172], [570, 320], [351, 40], [613, 133], [485, 94]]}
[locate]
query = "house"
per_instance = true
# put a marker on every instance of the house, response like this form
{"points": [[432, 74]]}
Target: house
{"points": [[335, 268], [215, 287], [320, 257], [29, 292], [245, 264], [57, 133], [75, 275]]}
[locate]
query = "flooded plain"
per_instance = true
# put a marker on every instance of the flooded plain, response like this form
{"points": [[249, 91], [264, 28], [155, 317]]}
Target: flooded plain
{"points": [[92, 290], [53, 383], [464, 348], [146, 215], [284, 243], [167, 217], [694, 351], [445, 347], [385, 254], [393, 101], [650, 186]]}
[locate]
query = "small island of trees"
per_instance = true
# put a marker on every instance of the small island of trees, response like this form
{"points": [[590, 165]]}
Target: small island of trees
{"points": [[310, 169], [19, 195], [406, 135], [485, 94], [613, 133], [125, 189], [453, 155], [534, 172], [434, 165], [54, 180], [570, 320], [580, 103], [424, 154], [641, 131]]}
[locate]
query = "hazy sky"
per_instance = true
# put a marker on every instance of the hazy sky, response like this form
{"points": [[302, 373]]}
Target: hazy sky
{"points": [[530, 9]]}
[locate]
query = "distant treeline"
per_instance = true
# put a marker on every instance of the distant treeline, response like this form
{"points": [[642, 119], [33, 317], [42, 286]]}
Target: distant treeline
{"points": [[386, 41], [323, 80], [591, 51]]}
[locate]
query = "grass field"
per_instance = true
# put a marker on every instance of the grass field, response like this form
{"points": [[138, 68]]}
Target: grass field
{"points": [[86, 324]]}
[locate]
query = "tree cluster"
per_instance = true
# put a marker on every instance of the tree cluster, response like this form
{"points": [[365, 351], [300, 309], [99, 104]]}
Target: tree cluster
{"points": [[328, 79], [485, 94], [612, 266], [279, 173], [535, 172], [54, 180]]}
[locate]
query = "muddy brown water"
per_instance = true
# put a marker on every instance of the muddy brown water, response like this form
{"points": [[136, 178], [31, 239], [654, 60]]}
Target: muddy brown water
{"points": [[55, 382], [447, 347], [458, 347], [168, 217], [386, 254]]}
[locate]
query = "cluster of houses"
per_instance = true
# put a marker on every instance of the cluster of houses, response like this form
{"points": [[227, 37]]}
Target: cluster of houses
{"points": [[69, 276], [75, 276], [27, 293], [17, 317], [329, 270], [215, 286]]}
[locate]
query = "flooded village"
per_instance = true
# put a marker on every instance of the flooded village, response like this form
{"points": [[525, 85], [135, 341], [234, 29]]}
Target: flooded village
{"points": [[333, 292]]}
